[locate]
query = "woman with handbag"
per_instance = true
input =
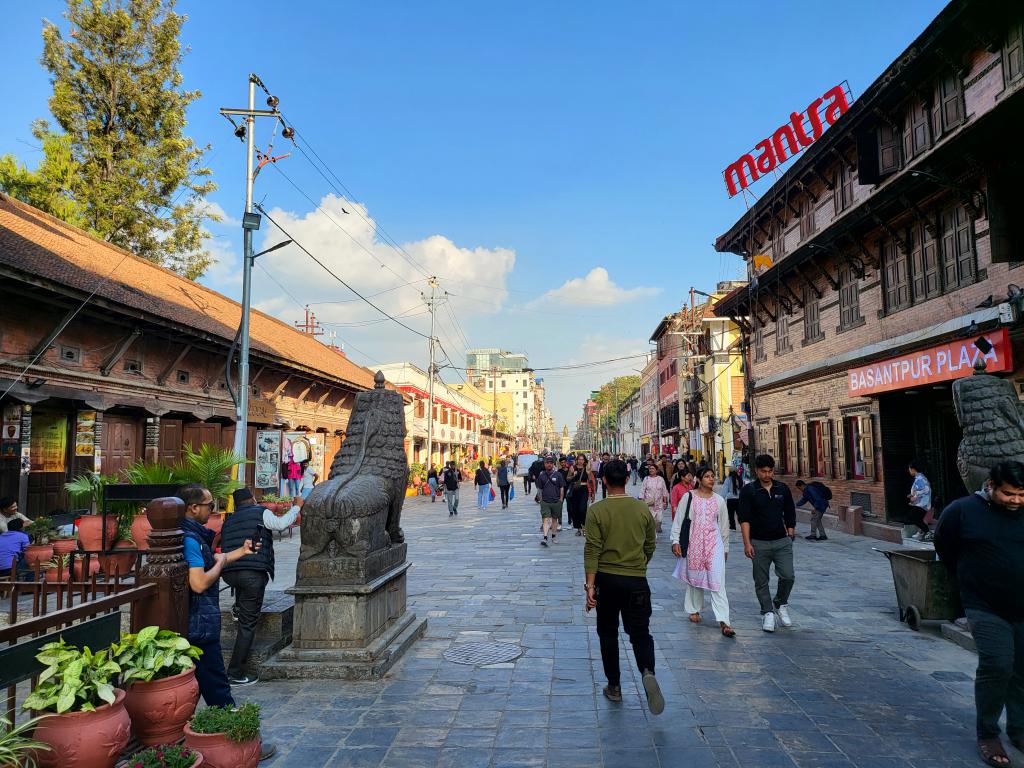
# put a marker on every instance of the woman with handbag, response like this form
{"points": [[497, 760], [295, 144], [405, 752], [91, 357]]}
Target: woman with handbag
{"points": [[580, 488], [654, 493], [482, 481], [700, 536]]}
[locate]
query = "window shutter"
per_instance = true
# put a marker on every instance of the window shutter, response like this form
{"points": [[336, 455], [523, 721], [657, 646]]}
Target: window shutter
{"points": [[888, 149], [868, 145], [868, 440], [1013, 54], [951, 93], [805, 462], [778, 448], [826, 446], [841, 473], [793, 455]]}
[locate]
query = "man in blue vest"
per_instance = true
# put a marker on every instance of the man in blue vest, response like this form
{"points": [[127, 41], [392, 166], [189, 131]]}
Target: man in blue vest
{"points": [[248, 576]]}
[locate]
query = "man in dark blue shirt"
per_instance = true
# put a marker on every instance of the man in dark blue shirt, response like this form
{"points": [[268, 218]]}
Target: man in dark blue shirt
{"points": [[813, 495]]}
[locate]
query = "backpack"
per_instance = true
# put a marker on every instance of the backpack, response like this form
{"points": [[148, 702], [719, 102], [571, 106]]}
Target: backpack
{"points": [[823, 489]]}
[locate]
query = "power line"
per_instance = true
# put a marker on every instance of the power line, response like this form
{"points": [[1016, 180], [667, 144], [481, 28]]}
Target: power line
{"points": [[328, 270]]}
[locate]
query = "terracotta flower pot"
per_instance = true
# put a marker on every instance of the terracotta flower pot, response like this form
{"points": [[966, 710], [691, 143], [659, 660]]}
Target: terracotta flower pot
{"points": [[123, 564], [78, 569], [90, 531], [85, 739], [220, 752], [160, 709], [54, 575], [37, 554], [140, 531], [65, 546]]}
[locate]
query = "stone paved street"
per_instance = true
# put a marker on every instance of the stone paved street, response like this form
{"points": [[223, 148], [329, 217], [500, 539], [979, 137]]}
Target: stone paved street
{"points": [[847, 686]]}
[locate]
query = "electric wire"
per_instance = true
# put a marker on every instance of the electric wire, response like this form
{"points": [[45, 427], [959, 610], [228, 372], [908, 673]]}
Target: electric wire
{"points": [[329, 271]]}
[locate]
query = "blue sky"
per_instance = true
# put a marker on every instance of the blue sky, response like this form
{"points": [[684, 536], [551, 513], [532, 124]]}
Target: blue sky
{"points": [[510, 148]]}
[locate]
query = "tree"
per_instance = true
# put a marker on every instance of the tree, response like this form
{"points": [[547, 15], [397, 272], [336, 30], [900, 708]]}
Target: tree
{"points": [[122, 167]]}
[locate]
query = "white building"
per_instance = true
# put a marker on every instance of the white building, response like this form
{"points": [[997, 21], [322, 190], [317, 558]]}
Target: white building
{"points": [[629, 422], [495, 370], [457, 419]]}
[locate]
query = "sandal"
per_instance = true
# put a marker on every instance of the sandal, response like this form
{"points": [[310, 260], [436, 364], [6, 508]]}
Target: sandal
{"points": [[992, 753], [695, 618], [728, 631]]}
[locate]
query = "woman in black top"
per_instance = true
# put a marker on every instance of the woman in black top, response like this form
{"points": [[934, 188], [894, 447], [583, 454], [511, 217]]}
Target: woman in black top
{"points": [[482, 481], [579, 489]]}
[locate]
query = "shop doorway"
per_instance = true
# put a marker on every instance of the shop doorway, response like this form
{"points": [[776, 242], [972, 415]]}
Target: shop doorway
{"points": [[920, 424]]}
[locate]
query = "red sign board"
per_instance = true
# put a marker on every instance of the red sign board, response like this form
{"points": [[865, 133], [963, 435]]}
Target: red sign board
{"points": [[954, 360], [788, 139]]}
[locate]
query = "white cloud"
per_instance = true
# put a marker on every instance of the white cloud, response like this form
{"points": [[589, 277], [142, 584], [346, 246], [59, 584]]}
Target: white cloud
{"points": [[596, 289], [214, 209]]}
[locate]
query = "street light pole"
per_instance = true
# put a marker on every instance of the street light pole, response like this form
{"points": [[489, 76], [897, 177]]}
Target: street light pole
{"points": [[430, 375]]}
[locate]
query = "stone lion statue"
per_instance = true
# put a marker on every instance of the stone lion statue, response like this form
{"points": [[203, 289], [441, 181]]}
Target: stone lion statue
{"points": [[991, 416], [357, 510]]}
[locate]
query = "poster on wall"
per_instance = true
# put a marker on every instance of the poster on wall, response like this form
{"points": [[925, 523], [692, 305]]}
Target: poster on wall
{"points": [[85, 433], [268, 458], [11, 433], [49, 442]]}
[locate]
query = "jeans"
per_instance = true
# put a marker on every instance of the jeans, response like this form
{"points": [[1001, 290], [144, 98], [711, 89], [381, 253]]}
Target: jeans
{"points": [[779, 552], [504, 495], [999, 681], [249, 586], [630, 596], [452, 498], [293, 487], [210, 674], [483, 496]]}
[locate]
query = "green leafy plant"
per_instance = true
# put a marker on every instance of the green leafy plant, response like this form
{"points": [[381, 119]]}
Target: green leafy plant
{"points": [[88, 487], [40, 530], [74, 680], [17, 749], [152, 654], [238, 724], [273, 498], [57, 562], [141, 473], [416, 469], [210, 467], [163, 756]]}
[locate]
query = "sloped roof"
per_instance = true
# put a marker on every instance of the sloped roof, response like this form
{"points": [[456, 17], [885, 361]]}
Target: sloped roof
{"points": [[40, 245]]}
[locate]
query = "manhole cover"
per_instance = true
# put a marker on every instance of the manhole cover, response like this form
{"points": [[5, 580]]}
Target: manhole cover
{"points": [[482, 654]]}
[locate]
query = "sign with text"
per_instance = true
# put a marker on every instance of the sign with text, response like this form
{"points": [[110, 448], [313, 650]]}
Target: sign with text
{"points": [[802, 130], [942, 363]]}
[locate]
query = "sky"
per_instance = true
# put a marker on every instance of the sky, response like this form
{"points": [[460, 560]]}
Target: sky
{"points": [[558, 166]]}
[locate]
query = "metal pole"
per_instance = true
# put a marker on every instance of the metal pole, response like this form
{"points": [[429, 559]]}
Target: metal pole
{"points": [[430, 376], [242, 413]]}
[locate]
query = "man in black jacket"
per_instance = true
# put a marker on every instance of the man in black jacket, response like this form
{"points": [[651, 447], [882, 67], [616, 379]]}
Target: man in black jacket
{"points": [[768, 521], [248, 576], [980, 538]]}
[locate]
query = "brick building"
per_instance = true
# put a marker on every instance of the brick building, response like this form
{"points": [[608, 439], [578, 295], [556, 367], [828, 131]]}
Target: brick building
{"points": [[895, 241], [137, 370]]}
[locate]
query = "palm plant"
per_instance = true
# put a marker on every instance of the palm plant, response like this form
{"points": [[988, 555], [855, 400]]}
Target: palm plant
{"points": [[210, 467], [141, 473], [88, 487]]}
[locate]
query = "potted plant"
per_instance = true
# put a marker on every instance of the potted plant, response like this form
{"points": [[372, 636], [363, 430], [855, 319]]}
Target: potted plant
{"points": [[159, 676], [83, 719], [228, 737], [211, 468], [65, 545], [141, 473], [89, 487], [39, 532], [276, 504], [166, 756], [121, 563], [56, 568], [17, 749]]}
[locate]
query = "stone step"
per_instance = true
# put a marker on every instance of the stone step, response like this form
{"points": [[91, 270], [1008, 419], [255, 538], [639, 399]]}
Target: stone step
{"points": [[273, 630], [959, 635]]}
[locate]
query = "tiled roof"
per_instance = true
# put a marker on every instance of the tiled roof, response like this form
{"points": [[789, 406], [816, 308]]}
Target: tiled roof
{"points": [[36, 243]]}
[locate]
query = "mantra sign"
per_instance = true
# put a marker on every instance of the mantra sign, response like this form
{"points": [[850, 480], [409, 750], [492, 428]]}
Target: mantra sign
{"points": [[788, 139], [954, 360]]}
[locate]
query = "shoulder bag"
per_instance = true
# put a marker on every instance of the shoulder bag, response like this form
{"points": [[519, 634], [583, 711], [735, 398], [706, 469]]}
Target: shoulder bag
{"points": [[684, 531]]}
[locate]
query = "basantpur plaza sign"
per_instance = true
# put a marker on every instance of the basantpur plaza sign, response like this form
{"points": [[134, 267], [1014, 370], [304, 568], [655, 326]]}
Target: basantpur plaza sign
{"points": [[954, 360], [788, 139]]}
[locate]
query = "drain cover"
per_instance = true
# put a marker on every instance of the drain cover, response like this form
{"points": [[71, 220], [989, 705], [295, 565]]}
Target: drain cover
{"points": [[482, 654]]}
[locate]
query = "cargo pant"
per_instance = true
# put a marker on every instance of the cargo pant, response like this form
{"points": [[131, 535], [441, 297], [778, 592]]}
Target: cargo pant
{"points": [[779, 552]]}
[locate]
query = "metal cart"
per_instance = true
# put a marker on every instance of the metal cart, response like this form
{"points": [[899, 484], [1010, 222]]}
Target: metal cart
{"points": [[924, 589]]}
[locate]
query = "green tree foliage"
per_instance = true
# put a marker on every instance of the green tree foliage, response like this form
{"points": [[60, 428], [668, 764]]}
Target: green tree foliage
{"points": [[612, 394], [121, 166]]}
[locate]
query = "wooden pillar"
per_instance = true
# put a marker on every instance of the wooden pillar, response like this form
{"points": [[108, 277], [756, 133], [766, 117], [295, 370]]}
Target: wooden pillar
{"points": [[165, 566], [25, 457]]}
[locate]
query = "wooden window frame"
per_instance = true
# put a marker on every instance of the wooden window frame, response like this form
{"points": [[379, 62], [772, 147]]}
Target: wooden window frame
{"points": [[925, 272], [949, 104], [759, 354], [812, 316], [843, 195], [895, 270], [957, 253], [849, 300], [918, 132], [1013, 54], [807, 222], [782, 344], [890, 149]]}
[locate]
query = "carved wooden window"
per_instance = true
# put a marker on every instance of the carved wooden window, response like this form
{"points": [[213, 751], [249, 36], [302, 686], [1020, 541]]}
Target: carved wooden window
{"points": [[917, 132], [812, 315], [957, 248], [951, 101], [782, 333], [924, 264], [1013, 55], [844, 187], [890, 158], [849, 299], [895, 280], [759, 354], [806, 218]]}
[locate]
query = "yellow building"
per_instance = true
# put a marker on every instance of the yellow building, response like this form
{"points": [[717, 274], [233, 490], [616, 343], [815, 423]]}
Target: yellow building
{"points": [[489, 402]]}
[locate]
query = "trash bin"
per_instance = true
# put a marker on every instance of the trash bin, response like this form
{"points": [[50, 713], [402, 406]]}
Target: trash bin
{"points": [[924, 589]]}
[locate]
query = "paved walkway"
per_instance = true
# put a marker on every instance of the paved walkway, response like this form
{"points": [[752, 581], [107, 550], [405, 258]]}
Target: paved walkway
{"points": [[847, 686]]}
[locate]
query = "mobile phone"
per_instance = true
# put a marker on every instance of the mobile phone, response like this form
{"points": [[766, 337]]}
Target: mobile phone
{"points": [[257, 537]]}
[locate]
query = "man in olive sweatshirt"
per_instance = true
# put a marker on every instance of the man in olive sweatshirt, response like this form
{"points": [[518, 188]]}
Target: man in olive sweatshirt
{"points": [[620, 544]]}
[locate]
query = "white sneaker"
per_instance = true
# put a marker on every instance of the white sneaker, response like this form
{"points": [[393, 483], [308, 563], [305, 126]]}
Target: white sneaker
{"points": [[783, 611], [768, 622]]}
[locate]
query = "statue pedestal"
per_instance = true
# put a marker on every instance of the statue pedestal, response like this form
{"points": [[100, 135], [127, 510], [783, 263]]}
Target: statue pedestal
{"points": [[348, 631]]}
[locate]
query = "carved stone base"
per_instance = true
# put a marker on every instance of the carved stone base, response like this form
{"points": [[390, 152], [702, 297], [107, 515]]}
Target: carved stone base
{"points": [[328, 571]]}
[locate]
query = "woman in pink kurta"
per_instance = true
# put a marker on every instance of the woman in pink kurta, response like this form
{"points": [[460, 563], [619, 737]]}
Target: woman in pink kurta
{"points": [[655, 494], [703, 567]]}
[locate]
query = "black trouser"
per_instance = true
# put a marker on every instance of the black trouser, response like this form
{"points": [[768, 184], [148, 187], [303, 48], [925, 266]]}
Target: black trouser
{"points": [[630, 596], [213, 682], [917, 516], [999, 681], [604, 489], [577, 505], [504, 494], [732, 506], [526, 483], [249, 586]]}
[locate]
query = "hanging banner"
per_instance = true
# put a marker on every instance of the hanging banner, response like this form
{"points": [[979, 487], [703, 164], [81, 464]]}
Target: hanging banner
{"points": [[268, 458], [11, 433], [49, 443], [85, 433]]}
